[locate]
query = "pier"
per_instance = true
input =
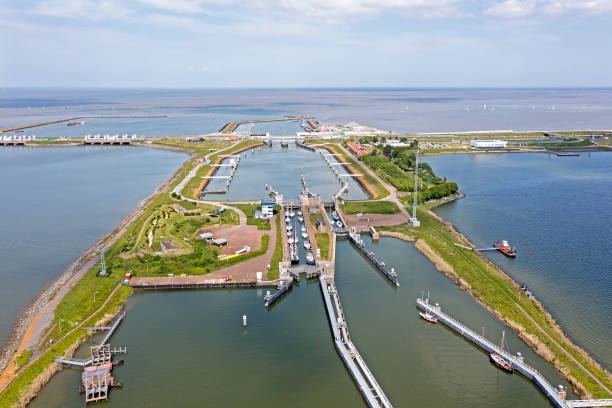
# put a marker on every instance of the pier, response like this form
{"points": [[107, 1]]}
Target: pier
{"points": [[303, 145], [359, 244], [517, 361], [369, 387]]}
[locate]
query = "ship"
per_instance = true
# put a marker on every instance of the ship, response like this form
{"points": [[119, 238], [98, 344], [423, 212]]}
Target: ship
{"points": [[497, 359], [428, 317], [310, 260], [75, 123], [505, 248]]}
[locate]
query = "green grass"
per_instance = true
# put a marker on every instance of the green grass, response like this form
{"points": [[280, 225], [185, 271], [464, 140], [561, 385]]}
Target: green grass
{"points": [[278, 251], [249, 210], [24, 357], [370, 207], [323, 244]]}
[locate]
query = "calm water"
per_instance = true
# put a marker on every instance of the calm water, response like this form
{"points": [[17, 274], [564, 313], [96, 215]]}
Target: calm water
{"points": [[282, 168], [57, 202], [191, 345], [557, 212], [406, 110]]}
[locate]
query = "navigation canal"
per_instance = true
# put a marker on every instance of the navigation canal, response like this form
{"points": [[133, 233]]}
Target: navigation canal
{"points": [[281, 168]]}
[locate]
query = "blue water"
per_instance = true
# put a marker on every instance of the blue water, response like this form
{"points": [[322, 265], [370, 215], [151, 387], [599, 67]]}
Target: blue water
{"points": [[557, 212], [57, 202], [405, 110]]}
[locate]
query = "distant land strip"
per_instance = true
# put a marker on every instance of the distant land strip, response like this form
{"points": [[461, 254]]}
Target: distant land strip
{"points": [[51, 122]]}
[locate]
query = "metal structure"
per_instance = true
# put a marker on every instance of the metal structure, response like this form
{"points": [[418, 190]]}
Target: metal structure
{"points": [[102, 261]]}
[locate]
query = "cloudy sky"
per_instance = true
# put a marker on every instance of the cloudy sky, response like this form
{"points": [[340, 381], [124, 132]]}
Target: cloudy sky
{"points": [[306, 43]]}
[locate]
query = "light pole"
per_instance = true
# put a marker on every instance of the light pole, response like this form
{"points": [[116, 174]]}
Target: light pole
{"points": [[95, 297]]}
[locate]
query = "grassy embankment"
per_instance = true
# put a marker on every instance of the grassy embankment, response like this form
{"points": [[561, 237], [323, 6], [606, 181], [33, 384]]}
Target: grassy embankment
{"points": [[278, 250], [500, 294], [372, 186], [369, 207], [323, 244]]}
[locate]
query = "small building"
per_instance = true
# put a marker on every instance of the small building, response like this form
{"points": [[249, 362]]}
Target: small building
{"points": [[267, 210], [488, 144], [220, 242], [206, 235], [356, 148]]}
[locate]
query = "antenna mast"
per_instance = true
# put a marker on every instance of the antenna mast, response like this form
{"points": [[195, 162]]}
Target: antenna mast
{"points": [[102, 261], [414, 221]]}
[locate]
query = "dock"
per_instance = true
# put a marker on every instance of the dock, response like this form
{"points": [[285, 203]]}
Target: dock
{"points": [[359, 244], [202, 285], [303, 145], [517, 361], [369, 387]]}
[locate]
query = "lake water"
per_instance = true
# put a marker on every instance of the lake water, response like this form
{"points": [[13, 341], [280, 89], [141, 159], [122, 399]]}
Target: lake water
{"points": [[557, 212], [192, 112], [282, 168], [57, 202]]}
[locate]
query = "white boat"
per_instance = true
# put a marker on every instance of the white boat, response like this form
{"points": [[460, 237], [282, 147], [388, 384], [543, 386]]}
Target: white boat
{"points": [[310, 259], [289, 233], [292, 214], [300, 213], [287, 220], [307, 244], [290, 240], [304, 235], [339, 224], [289, 227], [301, 219], [335, 215], [303, 229]]}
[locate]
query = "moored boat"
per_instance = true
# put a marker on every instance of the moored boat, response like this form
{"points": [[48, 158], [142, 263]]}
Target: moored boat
{"points": [[310, 260], [428, 317], [304, 235], [307, 244], [505, 248], [497, 358]]}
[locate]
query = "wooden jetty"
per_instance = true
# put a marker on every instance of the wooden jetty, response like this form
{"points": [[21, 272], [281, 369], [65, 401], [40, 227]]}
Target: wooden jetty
{"points": [[283, 287]]}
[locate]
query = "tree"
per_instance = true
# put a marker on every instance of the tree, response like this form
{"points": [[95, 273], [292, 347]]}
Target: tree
{"points": [[387, 150]]}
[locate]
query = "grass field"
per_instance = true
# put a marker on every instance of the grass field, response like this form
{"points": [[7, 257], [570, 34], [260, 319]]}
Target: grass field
{"points": [[278, 250], [249, 210], [323, 244], [370, 207]]}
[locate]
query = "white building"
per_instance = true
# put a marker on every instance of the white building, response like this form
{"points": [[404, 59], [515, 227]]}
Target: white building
{"points": [[488, 144]]}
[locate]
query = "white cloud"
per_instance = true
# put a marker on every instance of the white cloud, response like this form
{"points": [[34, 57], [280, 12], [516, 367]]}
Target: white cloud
{"points": [[523, 8], [336, 9], [512, 9]]}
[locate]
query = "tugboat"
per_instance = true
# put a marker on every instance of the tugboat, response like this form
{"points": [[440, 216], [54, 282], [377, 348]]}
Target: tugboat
{"points": [[310, 258], [498, 360], [505, 248]]}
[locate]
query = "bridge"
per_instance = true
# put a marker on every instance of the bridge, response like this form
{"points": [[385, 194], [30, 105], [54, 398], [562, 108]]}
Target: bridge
{"points": [[517, 361]]}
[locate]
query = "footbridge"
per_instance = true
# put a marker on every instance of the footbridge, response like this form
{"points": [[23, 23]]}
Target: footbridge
{"points": [[517, 361], [359, 244]]}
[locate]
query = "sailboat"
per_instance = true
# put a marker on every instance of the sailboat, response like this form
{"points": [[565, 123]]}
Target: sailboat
{"points": [[497, 359], [428, 317]]}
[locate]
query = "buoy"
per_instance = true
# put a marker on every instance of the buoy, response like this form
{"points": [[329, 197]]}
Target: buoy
{"points": [[244, 320]]}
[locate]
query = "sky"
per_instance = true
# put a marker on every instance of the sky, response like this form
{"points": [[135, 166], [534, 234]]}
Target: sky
{"points": [[305, 43]]}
